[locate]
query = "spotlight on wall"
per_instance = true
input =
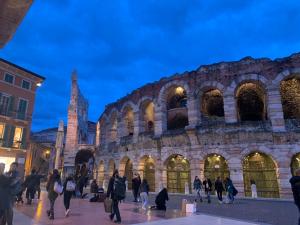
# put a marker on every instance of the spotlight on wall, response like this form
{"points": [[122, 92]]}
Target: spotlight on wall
{"points": [[38, 84]]}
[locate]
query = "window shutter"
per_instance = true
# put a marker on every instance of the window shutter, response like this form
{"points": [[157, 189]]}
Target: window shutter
{"points": [[11, 136], [11, 105], [24, 136], [6, 135]]}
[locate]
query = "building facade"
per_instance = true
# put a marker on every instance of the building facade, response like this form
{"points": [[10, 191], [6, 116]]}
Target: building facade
{"points": [[231, 119], [17, 94]]}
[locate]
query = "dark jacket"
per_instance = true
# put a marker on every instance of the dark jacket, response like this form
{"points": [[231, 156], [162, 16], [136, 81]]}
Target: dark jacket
{"points": [[197, 184], [31, 182], [110, 188], [161, 199], [5, 192], [229, 186], [144, 188], [52, 195], [295, 183], [136, 182], [207, 185], [219, 185], [94, 187]]}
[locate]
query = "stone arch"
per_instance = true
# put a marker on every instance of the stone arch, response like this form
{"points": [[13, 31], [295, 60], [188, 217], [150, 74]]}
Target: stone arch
{"points": [[215, 165], [113, 122], [103, 122], [111, 166], [290, 95], [287, 73], [212, 103], [146, 115], [101, 173], [129, 104], [251, 100], [178, 174], [263, 170], [208, 85], [126, 169], [147, 169], [84, 163], [127, 114]]}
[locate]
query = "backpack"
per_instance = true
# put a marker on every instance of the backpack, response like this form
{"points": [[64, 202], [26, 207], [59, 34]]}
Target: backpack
{"points": [[119, 188], [70, 186], [234, 191], [57, 188]]}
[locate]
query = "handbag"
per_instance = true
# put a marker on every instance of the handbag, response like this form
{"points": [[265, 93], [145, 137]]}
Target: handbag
{"points": [[58, 188], [108, 205]]}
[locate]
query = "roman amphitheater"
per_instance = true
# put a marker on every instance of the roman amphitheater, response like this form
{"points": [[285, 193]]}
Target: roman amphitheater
{"points": [[239, 119]]}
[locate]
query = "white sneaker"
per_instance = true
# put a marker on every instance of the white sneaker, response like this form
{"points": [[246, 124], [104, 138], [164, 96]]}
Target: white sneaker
{"points": [[67, 212]]}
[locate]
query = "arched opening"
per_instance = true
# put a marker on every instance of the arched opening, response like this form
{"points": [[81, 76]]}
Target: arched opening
{"points": [[260, 168], [147, 116], [111, 167], [178, 173], [84, 163], [102, 132], [251, 102], [126, 169], [295, 163], [128, 116], [147, 166], [177, 114], [212, 104], [216, 166], [290, 98], [114, 127], [100, 175]]}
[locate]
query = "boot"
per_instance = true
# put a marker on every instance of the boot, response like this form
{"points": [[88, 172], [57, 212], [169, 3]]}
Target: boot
{"points": [[51, 217]]}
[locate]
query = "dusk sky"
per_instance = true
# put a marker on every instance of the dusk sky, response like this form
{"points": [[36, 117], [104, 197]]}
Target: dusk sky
{"points": [[117, 46]]}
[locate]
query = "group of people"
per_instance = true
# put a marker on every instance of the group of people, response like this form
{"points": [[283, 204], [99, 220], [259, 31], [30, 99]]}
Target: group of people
{"points": [[206, 187]]}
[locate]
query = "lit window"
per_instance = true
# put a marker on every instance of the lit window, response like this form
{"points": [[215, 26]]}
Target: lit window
{"points": [[9, 78], [7, 161], [1, 131], [25, 84], [18, 137]]}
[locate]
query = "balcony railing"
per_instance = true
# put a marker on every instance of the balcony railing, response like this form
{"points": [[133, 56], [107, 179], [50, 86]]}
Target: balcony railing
{"points": [[15, 115]]}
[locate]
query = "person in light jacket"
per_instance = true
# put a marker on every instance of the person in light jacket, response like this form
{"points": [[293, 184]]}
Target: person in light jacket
{"points": [[144, 192]]}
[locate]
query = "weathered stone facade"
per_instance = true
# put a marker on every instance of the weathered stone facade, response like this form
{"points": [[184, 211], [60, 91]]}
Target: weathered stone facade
{"points": [[187, 134]]}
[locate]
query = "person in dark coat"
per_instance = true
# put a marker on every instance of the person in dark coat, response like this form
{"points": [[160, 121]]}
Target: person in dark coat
{"points": [[30, 185], [115, 201], [161, 199], [295, 183], [136, 183], [230, 190], [94, 188], [68, 194], [52, 195], [219, 189], [6, 198], [207, 187], [198, 188]]}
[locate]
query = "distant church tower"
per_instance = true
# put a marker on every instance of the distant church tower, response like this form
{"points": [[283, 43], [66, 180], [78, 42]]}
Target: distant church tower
{"points": [[77, 128]]}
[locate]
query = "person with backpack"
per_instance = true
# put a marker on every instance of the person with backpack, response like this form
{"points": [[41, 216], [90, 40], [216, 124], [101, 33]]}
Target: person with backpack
{"points": [[231, 190], [219, 189], [295, 183], [69, 188], [53, 184], [144, 192], [116, 191], [198, 188], [207, 187]]}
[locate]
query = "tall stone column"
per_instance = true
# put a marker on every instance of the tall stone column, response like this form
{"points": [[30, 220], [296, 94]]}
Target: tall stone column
{"points": [[236, 175], [284, 175], [201, 169], [274, 108], [136, 129], [230, 108], [193, 112], [160, 124], [160, 175], [59, 145]]}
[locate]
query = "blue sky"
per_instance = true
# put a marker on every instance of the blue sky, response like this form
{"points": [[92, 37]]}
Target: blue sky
{"points": [[117, 46]]}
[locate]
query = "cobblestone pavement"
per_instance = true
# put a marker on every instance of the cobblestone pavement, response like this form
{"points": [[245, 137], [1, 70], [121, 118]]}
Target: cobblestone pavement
{"points": [[84, 212]]}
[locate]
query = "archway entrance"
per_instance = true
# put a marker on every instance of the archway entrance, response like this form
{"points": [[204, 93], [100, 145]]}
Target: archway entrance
{"points": [[178, 173], [149, 172], [84, 163], [261, 169], [295, 164], [129, 173], [100, 175], [111, 167], [216, 166]]}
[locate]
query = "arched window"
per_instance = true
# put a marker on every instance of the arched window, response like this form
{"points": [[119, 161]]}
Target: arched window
{"points": [[128, 117], [147, 116], [113, 127], [176, 108], [212, 103], [251, 102], [290, 98]]}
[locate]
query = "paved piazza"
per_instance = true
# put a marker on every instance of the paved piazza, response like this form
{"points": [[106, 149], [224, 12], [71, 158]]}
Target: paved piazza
{"points": [[243, 212]]}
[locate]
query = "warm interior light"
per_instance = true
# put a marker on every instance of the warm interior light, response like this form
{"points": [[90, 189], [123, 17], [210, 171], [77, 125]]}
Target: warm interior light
{"points": [[7, 161], [179, 90]]}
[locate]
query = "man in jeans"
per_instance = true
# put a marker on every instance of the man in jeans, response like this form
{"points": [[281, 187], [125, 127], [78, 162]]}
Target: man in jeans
{"points": [[115, 201], [295, 183]]}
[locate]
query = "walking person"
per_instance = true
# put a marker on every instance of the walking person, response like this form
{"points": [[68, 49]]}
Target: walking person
{"points": [[231, 190], [295, 183], [253, 189], [111, 193], [52, 194], [30, 185], [219, 189], [207, 187], [198, 188], [144, 192], [136, 182], [69, 188], [6, 203]]}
